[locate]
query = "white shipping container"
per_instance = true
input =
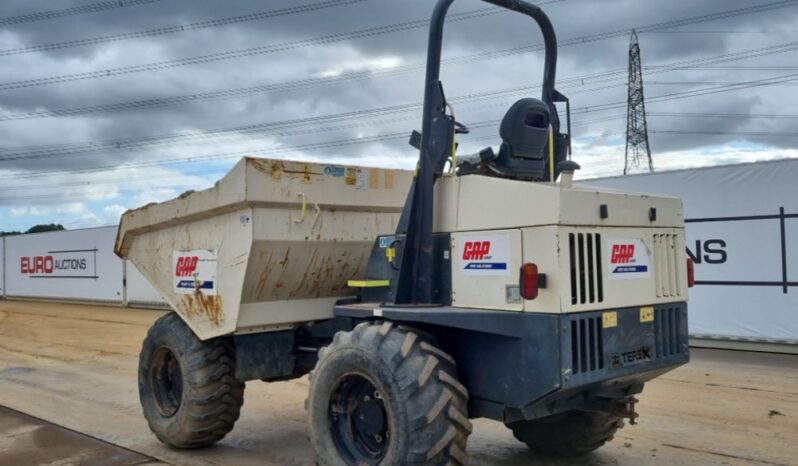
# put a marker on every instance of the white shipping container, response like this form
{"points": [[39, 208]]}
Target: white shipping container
{"points": [[742, 231], [2, 268], [76, 264]]}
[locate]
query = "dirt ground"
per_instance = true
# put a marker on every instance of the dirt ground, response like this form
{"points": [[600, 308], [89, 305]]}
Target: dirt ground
{"points": [[75, 366]]}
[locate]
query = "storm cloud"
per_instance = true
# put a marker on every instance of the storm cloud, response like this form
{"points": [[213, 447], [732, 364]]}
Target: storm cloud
{"points": [[138, 86]]}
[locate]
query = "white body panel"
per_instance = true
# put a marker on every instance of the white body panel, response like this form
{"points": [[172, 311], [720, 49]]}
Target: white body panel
{"points": [[75, 265], [541, 219], [473, 203], [483, 266], [138, 290], [272, 243]]}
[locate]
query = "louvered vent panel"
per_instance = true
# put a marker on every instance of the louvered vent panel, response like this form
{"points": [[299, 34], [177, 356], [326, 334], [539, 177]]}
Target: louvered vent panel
{"points": [[666, 332], [587, 346], [666, 270], [587, 281]]}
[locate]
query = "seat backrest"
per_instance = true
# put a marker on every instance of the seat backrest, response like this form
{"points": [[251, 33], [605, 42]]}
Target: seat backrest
{"points": [[525, 129]]}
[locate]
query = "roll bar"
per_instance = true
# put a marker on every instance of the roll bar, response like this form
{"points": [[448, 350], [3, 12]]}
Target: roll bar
{"points": [[534, 12], [415, 275]]}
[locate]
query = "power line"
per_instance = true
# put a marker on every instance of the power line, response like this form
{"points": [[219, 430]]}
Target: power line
{"points": [[744, 68], [694, 83], [310, 83], [129, 144], [304, 148], [371, 32], [227, 155], [732, 56], [77, 10], [731, 133], [695, 19], [724, 32], [240, 53], [254, 90], [183, 28], [213, 157], [324, 145], [106, 181], [766, 50], [381, 138], [285, 149], [772, 116], [693, 93], [132, 144], [394, 136], [263, 128], [315, 82]]}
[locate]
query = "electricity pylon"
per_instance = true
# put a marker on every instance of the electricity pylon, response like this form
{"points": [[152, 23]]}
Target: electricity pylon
{"points": [[636, 127]]}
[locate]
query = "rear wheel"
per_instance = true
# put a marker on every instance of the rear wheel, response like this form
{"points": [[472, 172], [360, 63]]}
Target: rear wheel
{"points": [[572, 433], [187, 387], [384, 395]]}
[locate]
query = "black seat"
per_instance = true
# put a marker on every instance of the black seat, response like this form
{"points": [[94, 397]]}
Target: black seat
{"points": [[525, 136]]}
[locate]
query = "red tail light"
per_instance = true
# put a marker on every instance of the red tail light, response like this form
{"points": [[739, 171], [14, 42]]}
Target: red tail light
{"points": [[529, 281], [690, 273]]}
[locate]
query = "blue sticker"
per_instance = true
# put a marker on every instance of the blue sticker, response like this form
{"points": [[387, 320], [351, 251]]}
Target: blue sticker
{"points": [[332, 170], [486, 266], [631, 269], [386, 241], [189, 285]]}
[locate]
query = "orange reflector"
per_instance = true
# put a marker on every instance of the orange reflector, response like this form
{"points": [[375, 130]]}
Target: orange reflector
{"points": [[529, 281], [690, 273]]}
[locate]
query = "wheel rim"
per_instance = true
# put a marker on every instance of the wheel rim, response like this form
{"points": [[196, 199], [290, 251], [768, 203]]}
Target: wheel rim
{"points": [[166, 380], [358, 420]]}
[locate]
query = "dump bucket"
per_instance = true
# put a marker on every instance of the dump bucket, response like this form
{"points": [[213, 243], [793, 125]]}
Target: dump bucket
{"points": [[271, 244]]}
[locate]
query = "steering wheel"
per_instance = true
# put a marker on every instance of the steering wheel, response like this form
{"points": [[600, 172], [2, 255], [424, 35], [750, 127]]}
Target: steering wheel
{"points": [[460, 128]]}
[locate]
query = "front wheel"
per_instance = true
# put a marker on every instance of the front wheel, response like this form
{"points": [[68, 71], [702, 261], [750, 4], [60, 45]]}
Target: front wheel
{"points": [[187, 387], [384, 395], [572, 433]]}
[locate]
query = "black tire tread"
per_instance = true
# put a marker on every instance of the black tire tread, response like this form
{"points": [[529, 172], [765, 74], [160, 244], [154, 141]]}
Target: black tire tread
{"points": [[428, 381], [212, 395], [573, 433]]}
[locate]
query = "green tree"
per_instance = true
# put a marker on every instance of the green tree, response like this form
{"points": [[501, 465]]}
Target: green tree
{"points": [[45, 227]]}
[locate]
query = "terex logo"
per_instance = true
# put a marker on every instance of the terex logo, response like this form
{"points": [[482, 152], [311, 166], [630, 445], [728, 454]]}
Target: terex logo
{"points": [[186, 266], [622, 253], [37, 264], [476, 250]]}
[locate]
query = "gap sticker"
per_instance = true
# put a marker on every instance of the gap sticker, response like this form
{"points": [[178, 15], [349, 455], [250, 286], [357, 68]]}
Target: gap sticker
{"points": [[194, 271], [484, 254], [629, 259]]}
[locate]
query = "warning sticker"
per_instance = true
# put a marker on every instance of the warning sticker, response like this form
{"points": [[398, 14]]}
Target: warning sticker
{"points": [[362, 178], [629, 259], [351, 176], [194, 271]]}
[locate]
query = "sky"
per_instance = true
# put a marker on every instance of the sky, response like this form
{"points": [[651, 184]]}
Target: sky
{"points": [[109, 105]]}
